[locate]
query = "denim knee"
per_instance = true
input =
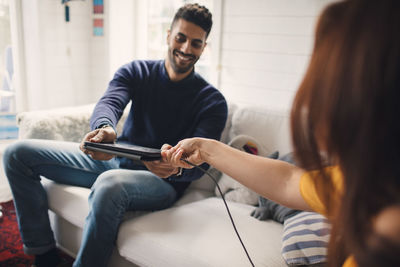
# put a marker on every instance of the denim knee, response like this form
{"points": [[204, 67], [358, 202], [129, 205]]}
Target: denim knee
{"points": [[18, 150], [107, 193], [13, 157], [9, 152]]}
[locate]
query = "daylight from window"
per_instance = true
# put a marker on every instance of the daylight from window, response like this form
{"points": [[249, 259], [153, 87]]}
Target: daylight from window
{"points": [[6, 65]]}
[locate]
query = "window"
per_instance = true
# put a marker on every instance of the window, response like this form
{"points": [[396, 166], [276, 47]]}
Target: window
{"points": [[7, 100], [160, 14], [8, 128]]}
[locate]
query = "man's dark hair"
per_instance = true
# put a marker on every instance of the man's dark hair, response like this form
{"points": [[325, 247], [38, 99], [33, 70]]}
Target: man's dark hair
{"points": [[196, 14]]}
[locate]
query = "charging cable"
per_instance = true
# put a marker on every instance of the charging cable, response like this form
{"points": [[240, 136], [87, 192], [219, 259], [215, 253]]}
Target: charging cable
{"points": [[226, 205]]}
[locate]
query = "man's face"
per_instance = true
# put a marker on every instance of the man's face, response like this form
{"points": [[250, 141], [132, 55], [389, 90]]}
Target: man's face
{"points": [[186, 42]]}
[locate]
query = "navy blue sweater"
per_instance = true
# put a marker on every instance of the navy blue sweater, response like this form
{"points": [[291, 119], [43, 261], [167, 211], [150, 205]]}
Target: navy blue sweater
{"points": [[162, 111]]}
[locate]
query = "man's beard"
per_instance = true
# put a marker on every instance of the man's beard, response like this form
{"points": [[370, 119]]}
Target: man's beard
{"points": [[174, 64]]}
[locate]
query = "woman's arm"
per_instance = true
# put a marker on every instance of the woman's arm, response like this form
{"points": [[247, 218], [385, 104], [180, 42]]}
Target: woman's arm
{"points": [[273, 179]]}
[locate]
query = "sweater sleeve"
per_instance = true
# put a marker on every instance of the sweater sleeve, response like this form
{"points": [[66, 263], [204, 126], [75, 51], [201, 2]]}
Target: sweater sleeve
{"points": [[111, 105]]}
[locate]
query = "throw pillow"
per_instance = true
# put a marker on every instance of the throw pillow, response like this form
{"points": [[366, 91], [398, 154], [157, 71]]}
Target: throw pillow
{"points": [[305, 239]]}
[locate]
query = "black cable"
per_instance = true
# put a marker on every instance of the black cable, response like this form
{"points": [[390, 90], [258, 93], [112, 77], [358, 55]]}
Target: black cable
{"points": [[226, 205]]}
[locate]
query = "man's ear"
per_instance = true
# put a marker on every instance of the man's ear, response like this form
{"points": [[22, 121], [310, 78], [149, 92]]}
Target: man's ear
{"points": [[205, 44]]}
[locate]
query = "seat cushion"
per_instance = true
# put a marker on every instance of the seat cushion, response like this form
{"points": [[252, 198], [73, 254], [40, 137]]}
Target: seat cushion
{"points": [[195, 234], [200, 234], [69, 202]]}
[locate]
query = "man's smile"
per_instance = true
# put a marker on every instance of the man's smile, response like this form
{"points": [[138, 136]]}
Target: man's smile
{"points": [[185, 58]]}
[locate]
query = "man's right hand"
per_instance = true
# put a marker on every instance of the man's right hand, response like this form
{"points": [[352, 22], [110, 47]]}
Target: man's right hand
{"points": [[101, 135]]}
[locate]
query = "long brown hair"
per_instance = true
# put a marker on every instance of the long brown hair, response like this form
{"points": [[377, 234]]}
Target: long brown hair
{"points": [[346, 112]]}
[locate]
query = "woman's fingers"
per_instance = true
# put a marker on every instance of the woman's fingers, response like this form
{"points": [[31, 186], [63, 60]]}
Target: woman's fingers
{"points": [[183, 151], [179, 159]]}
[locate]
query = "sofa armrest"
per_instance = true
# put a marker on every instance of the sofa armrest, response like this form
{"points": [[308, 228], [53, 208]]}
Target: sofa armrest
{"points": [[68, 124]]}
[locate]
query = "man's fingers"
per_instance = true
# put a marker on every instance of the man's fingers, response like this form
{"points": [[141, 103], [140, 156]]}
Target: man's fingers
{"points": [[167, 154], [100, 155], [81, 146], [161, 169], [165, 147], [90, 135], [103, 135], [87, 137], [166, 167], [97, 137]]}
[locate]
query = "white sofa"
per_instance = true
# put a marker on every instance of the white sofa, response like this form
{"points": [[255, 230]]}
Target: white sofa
{"points": [[196, 231]]}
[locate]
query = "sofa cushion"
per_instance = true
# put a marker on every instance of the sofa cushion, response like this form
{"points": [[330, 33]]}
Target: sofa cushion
{"points": [[69, 202], [67, 124], [205, 182], [200, 234], [192, 195]]}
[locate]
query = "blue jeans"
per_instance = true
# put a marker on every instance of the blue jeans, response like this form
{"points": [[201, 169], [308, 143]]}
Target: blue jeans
{"points": [[114, 191]]}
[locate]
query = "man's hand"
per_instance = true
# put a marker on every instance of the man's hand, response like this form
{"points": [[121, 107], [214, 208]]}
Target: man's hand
{"points": [[101, 135], [161, 168]]}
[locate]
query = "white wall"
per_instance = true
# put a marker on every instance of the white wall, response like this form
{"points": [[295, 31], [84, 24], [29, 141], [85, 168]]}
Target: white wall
{"points": [[65, 64], [121, 37], [266, 46]]}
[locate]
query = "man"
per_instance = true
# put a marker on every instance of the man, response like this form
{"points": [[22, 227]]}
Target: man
{"points": [[169, 102]]}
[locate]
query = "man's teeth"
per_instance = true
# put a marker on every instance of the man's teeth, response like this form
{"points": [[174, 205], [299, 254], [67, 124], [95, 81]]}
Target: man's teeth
{"points": [[181, 57]]}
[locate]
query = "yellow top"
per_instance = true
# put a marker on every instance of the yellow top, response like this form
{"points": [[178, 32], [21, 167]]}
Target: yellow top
{"points": [[309, 188]]}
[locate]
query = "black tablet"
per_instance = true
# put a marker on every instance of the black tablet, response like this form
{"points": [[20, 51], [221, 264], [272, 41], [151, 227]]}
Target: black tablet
{"points": [[125, 150]]}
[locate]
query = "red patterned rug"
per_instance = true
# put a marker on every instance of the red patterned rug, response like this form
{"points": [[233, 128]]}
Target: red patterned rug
{"points": [[11, 253]]}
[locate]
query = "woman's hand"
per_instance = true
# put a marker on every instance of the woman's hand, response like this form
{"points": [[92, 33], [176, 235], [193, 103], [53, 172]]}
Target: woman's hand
{"points": [[187, 149]]}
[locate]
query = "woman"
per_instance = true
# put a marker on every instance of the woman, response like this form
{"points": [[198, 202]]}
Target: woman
{"points": [[345, 133]]}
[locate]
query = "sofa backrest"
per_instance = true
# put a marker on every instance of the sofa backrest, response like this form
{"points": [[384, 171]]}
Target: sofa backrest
{"points": [[67, 123], [269, 127]]}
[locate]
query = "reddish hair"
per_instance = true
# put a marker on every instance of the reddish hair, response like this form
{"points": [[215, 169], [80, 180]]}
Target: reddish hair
{"points": [[346, 112]]}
